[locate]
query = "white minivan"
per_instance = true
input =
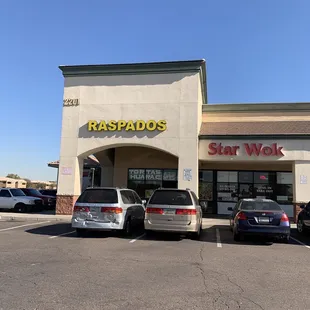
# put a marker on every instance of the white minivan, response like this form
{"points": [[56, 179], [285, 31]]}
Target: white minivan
{"points": [[108, 209]]}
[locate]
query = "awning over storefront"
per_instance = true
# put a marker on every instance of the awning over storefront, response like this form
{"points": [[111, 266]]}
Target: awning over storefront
{"points": [[90, 162]]}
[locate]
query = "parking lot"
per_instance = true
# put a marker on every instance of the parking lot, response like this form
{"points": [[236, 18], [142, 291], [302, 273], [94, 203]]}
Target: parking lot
{"points": [[46, 266]]}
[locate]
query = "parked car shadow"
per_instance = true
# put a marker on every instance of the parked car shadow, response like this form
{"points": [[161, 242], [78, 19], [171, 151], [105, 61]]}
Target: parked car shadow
{"points": [[223, 234], [64, 230]]}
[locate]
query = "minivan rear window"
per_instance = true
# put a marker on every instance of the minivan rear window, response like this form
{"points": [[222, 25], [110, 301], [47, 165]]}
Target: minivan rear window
{"points": [[260, 205], [98, 196], [171, 197]]}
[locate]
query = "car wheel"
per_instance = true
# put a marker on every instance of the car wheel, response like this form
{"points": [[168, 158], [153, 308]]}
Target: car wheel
{"points": [[300, 226], [128, 228], [236, 235], [80, 232], [20, 207], [196, 235]]}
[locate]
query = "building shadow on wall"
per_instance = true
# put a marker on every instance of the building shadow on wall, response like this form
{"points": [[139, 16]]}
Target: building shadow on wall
{"points": [[84, 133]]}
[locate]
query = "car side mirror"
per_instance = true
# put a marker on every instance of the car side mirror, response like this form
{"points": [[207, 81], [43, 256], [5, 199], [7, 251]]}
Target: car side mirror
{"points": [[229, 209]]}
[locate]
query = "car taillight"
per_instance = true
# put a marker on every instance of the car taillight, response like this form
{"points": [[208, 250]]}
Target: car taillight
{"points": [[115, 210], [241, 216], [284, 218], [154, 210], [185, 211], [81, 209]]}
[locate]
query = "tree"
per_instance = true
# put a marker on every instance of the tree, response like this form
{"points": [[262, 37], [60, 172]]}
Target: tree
{"points": [[13, 176]]}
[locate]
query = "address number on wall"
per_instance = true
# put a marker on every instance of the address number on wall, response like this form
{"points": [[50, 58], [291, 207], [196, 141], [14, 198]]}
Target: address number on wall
{"points": [[70, 102]]}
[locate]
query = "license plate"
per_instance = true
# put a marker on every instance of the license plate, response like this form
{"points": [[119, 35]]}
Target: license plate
{"points": [[263, 219], [169, 211]]}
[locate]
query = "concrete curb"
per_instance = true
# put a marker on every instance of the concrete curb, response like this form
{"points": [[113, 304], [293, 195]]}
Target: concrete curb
{"points": [[8, 218]]}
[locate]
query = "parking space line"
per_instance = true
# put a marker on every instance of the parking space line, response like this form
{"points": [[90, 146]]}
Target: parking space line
{"points": [[31, 224], [218, 238], [64, 234], [296, 240], [134, 240]]}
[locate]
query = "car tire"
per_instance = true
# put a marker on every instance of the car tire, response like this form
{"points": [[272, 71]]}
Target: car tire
{"points": [[80, 232], [20, 207], [300, 226], [236, 236], [127, 227], [196, 235]]}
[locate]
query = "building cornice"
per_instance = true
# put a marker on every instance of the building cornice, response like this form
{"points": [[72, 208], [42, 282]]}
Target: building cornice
{"points": [[141, 68], [255, 137], [256, 107]]}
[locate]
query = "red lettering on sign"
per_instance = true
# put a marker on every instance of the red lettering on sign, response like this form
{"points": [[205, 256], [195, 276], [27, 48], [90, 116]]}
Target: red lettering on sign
{"points": [[219, 149], [256, 149]]}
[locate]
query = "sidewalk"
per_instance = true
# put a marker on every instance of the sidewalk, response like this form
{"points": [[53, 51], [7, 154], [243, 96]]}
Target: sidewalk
{"points": [[47, 216]]}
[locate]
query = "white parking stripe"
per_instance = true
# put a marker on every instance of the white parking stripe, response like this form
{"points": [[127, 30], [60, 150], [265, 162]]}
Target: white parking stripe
{"points": [[307, 246], [134, 240], [37, 223], [218, 238], [64, 234]]}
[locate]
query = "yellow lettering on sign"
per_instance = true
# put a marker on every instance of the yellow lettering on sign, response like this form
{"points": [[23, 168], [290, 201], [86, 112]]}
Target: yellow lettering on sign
{"points": [[92, 126], [140, 125], [112, 125], [130, 126], [102, 126], [121, 125], [151, 125], [161, 125]]}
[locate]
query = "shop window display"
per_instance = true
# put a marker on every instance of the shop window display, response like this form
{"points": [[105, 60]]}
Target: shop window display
{"points": [[145, 181]]}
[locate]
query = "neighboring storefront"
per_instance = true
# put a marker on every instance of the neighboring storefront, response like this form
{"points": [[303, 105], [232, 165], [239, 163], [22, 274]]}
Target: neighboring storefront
{"points": [[149, 126]]}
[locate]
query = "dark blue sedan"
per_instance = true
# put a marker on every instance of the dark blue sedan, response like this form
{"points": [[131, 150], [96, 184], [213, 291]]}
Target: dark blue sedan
{"points": [[260, 217]]}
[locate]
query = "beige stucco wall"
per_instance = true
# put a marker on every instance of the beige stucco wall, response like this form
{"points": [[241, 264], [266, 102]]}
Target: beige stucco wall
{"points": [[139, 157], [172, 97], [292, 150]]}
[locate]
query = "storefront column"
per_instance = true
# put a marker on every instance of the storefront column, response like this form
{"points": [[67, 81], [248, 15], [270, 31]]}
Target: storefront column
{"points": [[301, 193], [188, 166], [70, 176], [106, 159]]}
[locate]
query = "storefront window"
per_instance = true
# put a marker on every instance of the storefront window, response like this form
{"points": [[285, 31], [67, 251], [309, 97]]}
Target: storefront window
{"points": [[227, 176], [206, 191], [206, 185], [206, 176], [264, 191], [227, 186], [284, 187], [245, 177], [145, 181], [264, 177], [245, 191]]}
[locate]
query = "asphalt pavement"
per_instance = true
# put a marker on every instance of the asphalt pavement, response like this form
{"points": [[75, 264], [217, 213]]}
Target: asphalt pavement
{"points": [[44, 265]]}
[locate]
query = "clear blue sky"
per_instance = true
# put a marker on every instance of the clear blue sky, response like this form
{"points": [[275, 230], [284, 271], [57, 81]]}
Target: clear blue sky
{"points": [[256, 51]]}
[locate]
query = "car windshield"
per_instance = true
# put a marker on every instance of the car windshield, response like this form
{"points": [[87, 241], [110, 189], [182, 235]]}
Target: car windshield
{"points": [[17, 192], [34, 192], [260, 205], [98, 196], [171, 197]]}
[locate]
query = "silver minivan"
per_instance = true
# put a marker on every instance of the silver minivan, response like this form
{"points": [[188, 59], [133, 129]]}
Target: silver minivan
{"points": [[107, 209], [174, 210]]}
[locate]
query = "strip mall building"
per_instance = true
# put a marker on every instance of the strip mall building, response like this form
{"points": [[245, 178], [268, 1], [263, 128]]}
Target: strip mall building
{"points": [[149, 125]]}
